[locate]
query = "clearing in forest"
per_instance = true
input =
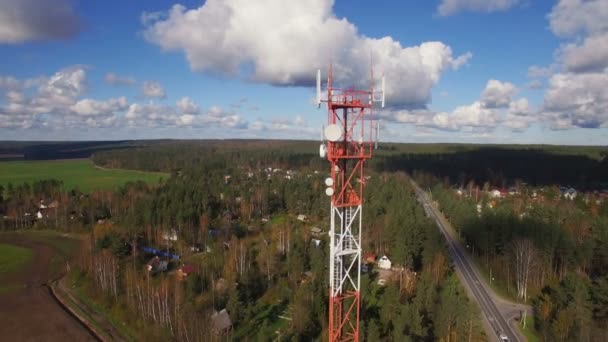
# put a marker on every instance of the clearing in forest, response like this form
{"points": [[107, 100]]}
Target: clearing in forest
{"points": [[74, 173]]}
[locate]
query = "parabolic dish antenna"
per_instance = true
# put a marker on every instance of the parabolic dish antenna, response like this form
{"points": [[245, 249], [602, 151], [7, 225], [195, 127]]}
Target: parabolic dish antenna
{"points": [[332, 133]]}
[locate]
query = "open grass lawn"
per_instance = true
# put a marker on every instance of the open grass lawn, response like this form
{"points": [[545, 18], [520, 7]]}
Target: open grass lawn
{"points": [[74, 173], [13, 257]]}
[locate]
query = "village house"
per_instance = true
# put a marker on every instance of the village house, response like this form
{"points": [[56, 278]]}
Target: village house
{"points": [[184, 271], [156, 265], [369, 258], [221, 323], [384, 263], [170, 235], [569, 193]]}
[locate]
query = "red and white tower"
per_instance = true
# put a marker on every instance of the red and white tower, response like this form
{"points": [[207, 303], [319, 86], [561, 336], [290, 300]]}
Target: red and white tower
{"points": [[349, 138]]}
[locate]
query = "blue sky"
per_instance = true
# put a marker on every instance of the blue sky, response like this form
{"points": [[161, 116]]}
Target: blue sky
{"points": [[485, 71]]}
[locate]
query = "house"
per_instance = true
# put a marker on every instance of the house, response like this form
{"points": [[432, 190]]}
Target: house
{"points": [[156, 265], [301, 218], [384, 263], [369, 258], [316, 231], [221, 322], [569, 193], [170, 235], [495, 193], [184, 271]]}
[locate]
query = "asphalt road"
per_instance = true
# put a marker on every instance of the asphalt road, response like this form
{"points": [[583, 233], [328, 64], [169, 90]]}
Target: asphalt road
{"points": [[497, 312]]}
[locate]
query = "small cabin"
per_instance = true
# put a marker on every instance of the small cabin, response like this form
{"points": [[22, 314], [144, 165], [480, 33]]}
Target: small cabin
{"points": [[385, 263]]}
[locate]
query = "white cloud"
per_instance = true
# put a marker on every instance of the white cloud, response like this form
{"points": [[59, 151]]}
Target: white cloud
{"points": [[577, 100], [225, 35], [590, 56], [577, 94], [187, 106], [536, 71], [450, 7], [497, 94], [153, 89], [114, 79], [26, 20], [570, 17], [90, 107], [59, 104]]}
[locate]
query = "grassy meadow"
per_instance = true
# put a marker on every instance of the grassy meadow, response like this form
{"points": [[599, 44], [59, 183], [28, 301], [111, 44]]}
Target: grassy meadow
{"points": [[74, 173]]}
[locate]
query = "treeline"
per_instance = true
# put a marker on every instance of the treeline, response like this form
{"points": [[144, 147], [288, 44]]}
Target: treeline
{"points": [[546, 251], [502, 166]]}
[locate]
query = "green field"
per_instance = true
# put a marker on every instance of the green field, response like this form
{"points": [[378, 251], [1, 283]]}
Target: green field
{"points": [[13, 257], [74, 173]]}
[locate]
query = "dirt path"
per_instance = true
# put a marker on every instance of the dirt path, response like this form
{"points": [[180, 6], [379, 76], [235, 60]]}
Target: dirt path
{"points": [[31, 313]]}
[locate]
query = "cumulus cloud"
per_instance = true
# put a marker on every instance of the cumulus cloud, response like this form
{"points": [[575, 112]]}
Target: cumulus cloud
{"points": [[153, 89], [497, 94], [494, 108], [577, 93], [229, 36], [187, 106], [90, 107], [577, 100], [27, 20], [115, 79], [590, 56], [450, 7], [570, 17], [59, 103]]}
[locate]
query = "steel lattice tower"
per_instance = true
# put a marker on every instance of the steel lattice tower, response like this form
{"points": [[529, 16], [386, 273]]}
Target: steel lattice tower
{"points": [[349, 136]]}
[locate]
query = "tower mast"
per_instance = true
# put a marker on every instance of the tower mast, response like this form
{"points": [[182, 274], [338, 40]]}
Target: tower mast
{"points": [[349, 134]]}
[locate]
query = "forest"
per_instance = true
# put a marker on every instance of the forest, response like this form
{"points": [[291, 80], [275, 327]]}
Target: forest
{"points": [[541, 249], [232, 207], [230, 214]]}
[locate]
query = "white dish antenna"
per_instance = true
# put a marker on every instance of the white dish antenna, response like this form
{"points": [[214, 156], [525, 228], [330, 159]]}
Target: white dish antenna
{"points": [[322, 151], [329, 181], [332, 133], [329, 191]]}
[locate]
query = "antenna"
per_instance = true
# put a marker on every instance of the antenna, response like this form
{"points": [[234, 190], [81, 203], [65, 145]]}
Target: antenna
{"points": [[318, 88], [322, 133], [383, 91], [377, 133]]}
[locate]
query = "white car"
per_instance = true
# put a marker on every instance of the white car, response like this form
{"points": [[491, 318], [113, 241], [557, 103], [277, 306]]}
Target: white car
{"points": [[503, 338]]}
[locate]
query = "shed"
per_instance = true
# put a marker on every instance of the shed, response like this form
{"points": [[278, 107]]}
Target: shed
{"points": [[221, 322], [301, 217], [384, 263]]}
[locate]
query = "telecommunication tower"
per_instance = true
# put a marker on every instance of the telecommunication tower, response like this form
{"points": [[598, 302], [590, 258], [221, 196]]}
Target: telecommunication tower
{"points": [[348, 143]]}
